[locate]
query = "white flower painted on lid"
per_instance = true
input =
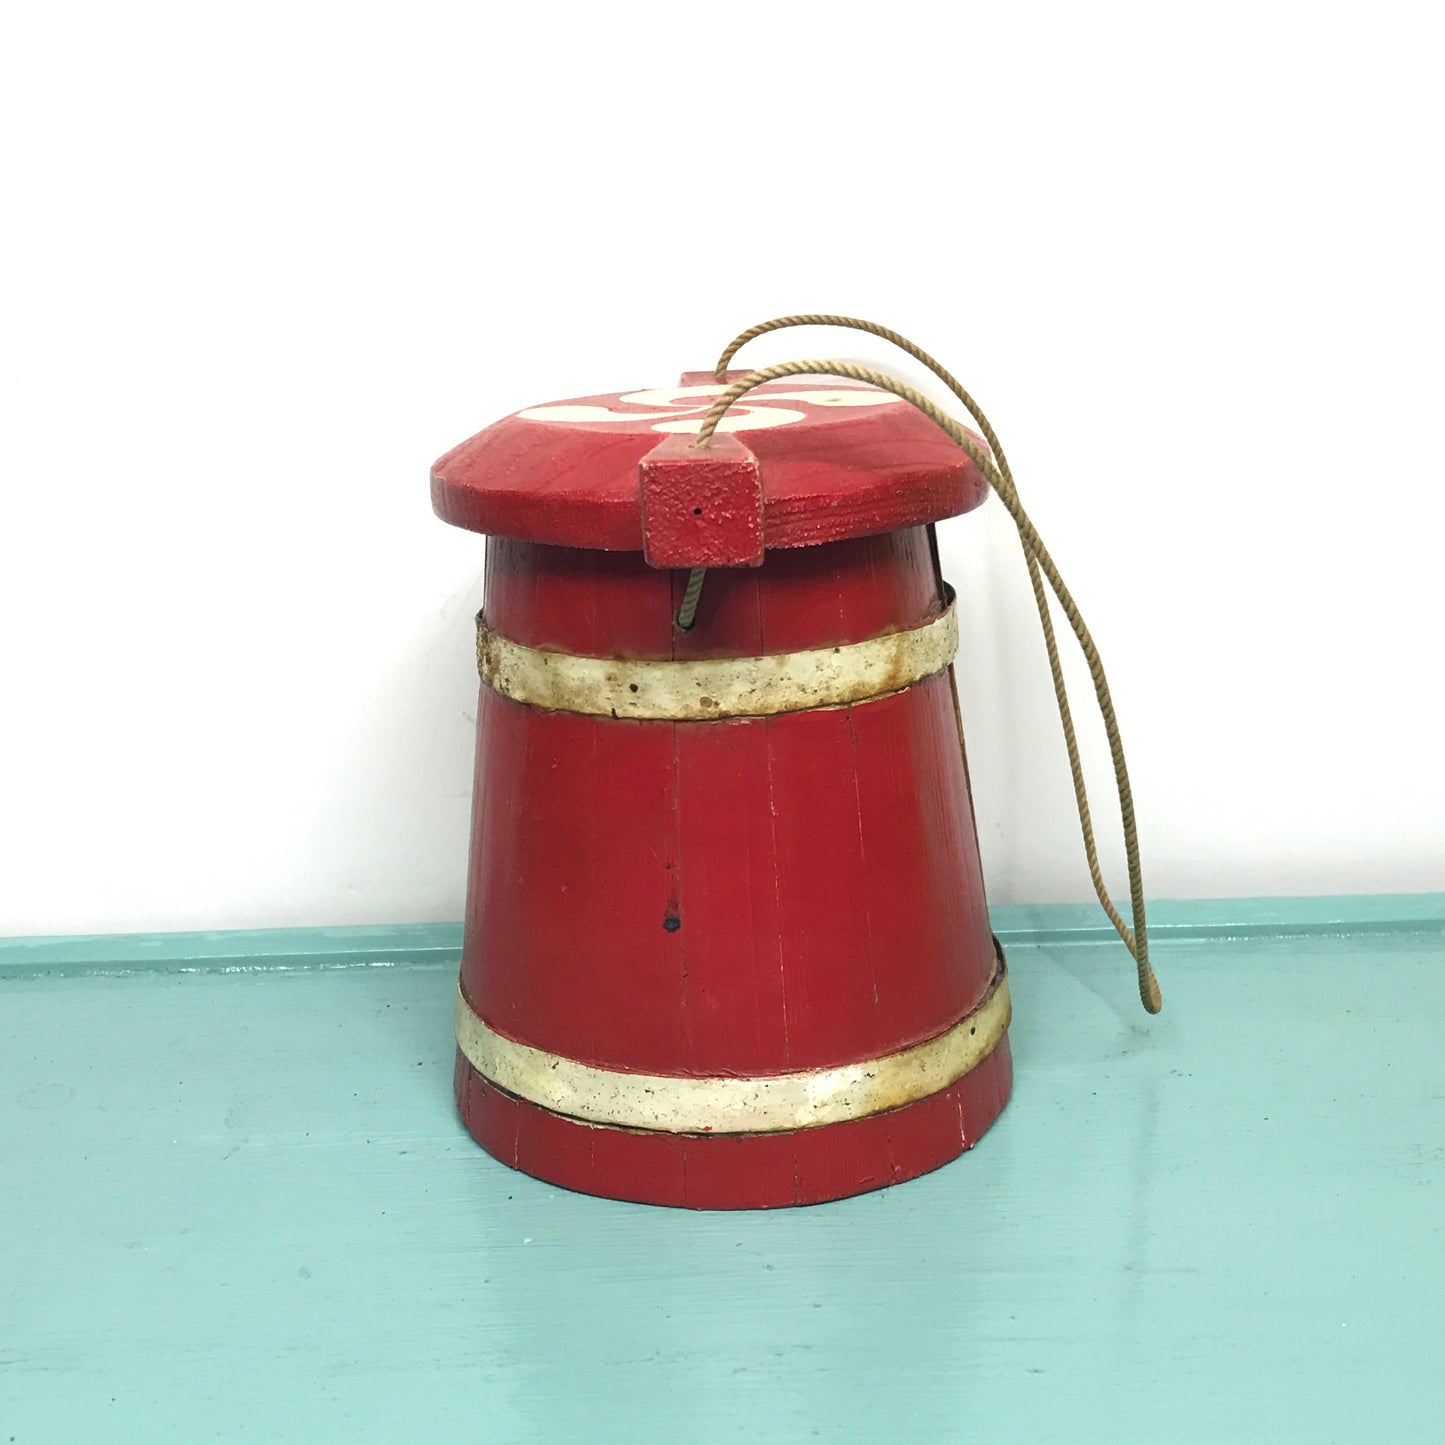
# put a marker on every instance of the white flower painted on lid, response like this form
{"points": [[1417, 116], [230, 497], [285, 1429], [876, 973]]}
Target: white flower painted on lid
{"points": [[687, 406]]}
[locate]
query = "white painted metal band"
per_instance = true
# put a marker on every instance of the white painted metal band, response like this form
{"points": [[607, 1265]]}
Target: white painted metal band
{"points": [[667, 1103], [716, 687]]}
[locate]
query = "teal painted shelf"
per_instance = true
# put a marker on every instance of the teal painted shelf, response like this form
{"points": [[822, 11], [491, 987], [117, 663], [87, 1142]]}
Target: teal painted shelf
{"points": [[236, 1205]]}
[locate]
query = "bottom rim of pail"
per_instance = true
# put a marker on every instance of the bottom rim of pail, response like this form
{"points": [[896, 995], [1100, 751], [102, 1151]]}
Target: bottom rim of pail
{"points": [[736, 1171]]}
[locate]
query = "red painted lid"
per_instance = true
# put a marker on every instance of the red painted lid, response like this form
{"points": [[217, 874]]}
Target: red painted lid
{"points": [[837, 460]]}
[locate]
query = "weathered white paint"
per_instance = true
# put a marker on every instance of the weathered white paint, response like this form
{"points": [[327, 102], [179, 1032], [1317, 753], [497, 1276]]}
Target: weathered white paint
{"points": [[727, 1105], [703, 688], [688, 405]]}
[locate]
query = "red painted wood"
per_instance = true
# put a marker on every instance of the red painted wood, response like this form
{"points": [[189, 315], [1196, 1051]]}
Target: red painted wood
{"points": [[819, 869], [701, 508], [610, 604], [740, 897], [645, 894], [566, 947], [828, 471], [738, 1171], [733, 994]]}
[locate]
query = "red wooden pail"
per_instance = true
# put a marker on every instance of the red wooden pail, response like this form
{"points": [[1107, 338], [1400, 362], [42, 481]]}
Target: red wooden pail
{"points": [[726, 937]]}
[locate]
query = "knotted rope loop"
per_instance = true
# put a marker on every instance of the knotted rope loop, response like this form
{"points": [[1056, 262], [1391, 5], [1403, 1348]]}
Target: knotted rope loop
{"points": [[993, 464]]}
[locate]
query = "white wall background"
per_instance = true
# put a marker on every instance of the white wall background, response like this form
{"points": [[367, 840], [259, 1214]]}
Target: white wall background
{"points": [[265, 262]]}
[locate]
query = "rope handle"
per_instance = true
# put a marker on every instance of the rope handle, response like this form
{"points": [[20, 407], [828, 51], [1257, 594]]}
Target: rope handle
{"points": [[994, 465]]}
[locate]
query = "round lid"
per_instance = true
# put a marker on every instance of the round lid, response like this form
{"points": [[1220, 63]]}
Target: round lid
{"points": [[836, 460]]}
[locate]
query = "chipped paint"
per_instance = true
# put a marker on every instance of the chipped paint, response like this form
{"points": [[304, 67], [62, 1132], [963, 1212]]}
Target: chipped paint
{"points": [[730, 1105], [703, 688]]}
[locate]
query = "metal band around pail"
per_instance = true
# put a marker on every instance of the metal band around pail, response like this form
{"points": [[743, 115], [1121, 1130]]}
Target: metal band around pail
{"points": [[672, 1104], [716, 687]]}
